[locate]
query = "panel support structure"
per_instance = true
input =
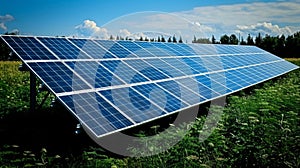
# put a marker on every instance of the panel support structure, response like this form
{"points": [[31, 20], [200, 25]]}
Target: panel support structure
{"points": [[32, 92]]}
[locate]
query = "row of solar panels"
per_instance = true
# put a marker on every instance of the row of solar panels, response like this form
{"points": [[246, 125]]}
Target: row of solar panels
{"points": [[36, 48], [74, 76], [113, 85]]}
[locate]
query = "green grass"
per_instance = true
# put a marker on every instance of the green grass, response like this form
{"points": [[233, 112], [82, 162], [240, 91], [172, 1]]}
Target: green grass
{"points": [[260, 129]]}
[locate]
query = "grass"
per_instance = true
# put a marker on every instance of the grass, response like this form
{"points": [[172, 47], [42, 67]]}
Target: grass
{"points": [[260, 129]]}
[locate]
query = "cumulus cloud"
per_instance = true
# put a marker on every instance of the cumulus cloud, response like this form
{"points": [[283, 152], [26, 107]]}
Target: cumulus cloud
{"points": [[264, 16], [264, 28], [272, 18], [2, 26], [89, 28], [4, 19]]}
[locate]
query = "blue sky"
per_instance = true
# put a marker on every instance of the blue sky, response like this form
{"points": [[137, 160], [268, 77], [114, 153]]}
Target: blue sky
{"points": [[185, 18]]}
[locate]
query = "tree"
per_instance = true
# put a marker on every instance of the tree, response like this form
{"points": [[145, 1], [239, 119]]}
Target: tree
{"points": [[174, 39], [194, 40], [141, 38], [243, 42], [169, 40], [180, 40], [224, 39], [111, 37], [213, 39], [163, 39], [158, 39], [250, 40], [233, 39], [258, 40]]}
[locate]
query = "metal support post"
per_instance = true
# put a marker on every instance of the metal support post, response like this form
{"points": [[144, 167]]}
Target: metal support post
{"points": [[32, 92]]}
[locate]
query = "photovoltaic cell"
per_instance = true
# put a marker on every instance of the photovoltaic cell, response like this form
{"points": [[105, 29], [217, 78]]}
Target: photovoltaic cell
{"points": [[58, 76], [114, 85], [92, 49], [28, 48], [63, 48]]}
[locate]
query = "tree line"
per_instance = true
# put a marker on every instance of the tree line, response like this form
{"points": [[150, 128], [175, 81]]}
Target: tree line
{"points": [[285, 47]]}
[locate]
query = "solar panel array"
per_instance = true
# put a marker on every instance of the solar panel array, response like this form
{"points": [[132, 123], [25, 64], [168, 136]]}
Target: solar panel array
{"points": [[113, 85]]}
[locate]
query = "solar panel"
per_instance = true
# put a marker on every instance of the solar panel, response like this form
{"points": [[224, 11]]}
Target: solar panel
{"points": [[114, 85]]}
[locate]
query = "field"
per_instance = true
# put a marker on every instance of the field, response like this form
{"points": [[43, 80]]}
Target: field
{"points": [[259, 128]]}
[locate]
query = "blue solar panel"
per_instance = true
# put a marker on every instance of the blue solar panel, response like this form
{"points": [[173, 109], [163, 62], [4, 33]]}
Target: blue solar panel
{"points": [[58, 76], [63, 48], [28, 48], [114, 48], [93, 49], [113, 85]]}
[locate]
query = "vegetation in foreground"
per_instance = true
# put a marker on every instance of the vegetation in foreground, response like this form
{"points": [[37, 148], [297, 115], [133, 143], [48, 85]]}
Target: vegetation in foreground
{"points": [[259, 129]]}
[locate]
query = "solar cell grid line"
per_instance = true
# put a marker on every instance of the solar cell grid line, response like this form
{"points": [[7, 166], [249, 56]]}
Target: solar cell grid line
{"points": [[108, 120], [178, 50], [145, 77], [230, 84], [92, 48], [232, 74], [266, 69], [235, 60], [189, 83], [218, 83], [94, 73], [250, 59], [136, 106], [212, 63], [204, 84], [286, 65], [204, 49], [187, 48], [58, 77], [228, 62], [147, 69], [250, 73], [257, 69], [224, 49], [246, 49], [196, 64], [63, 48], [278, 66], [181, 92], [28, 48], [123, 71], [155, 51], [116, 49], [245, 76], [172, 103], [173, 72], [166, 49], [136, 49], [179, 65]]}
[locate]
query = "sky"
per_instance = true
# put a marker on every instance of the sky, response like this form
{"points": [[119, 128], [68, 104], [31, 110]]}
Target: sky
{"points": [[134, 18]]}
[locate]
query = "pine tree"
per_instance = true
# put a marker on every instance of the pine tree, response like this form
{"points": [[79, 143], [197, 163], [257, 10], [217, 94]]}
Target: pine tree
{"points": [[174, 39], [213, 39], [180, 40]]}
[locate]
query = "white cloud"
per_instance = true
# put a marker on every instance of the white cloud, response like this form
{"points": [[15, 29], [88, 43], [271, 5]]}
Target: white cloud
{"points": [[2, 26], [264, 28], [265, 17], [90, 29], [4, 19]]}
